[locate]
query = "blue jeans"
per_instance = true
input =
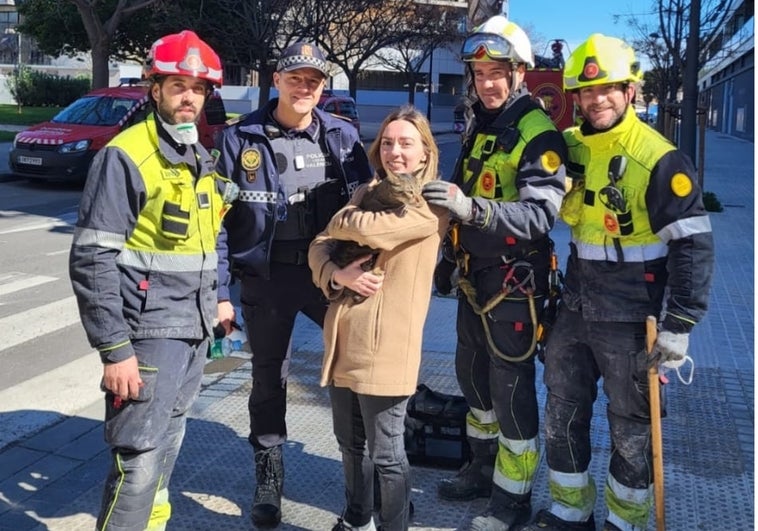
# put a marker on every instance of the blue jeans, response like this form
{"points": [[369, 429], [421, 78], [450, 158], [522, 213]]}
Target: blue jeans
{"points": [[370, 433], [145, 434]]}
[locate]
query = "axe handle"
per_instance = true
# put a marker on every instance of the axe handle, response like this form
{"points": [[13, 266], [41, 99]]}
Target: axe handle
{"points": [[655, 425]]}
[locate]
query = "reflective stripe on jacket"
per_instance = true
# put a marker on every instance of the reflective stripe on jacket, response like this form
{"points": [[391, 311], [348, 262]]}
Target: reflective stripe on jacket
{"points": [[143, 261], [622, 261]]}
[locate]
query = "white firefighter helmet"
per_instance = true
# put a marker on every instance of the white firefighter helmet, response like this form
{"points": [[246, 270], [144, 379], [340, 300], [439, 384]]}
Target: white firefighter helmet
{"points": [[498, 39]]}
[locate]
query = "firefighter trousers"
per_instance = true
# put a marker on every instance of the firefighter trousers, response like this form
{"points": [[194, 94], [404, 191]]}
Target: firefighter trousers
{"points": [[145, 435], [577, 355], [492, 384]]}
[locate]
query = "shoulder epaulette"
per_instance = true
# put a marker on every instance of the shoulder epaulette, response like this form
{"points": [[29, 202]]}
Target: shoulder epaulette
{"points": [[236, 119]]}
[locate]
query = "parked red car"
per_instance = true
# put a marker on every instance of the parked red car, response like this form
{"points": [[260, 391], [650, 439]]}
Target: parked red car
{"points": [[63, 148]]}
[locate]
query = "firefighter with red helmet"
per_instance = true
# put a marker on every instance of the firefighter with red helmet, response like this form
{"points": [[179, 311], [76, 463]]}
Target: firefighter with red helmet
{"points": [[641, 244], [143, 268], [505, 194]]}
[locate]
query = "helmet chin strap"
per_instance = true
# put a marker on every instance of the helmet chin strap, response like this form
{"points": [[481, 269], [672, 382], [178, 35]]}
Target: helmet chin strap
{"points": [[185, 133]]}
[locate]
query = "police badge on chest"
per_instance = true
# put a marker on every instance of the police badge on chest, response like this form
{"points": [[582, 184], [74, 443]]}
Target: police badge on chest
{"points": [[250, 160]]}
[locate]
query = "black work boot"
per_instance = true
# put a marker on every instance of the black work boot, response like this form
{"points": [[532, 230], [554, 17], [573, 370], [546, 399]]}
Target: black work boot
{"points": [[474, 479], [547, 521], [269, 475], [505, 512]]}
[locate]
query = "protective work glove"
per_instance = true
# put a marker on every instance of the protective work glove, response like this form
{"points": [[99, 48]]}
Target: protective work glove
{"points": [[447, 195], [670, 349]]}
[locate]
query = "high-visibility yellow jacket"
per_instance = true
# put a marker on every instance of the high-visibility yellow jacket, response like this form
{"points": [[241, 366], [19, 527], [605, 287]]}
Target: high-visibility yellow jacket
{"points": [[513, 166], [623, 259], [143, 260]]}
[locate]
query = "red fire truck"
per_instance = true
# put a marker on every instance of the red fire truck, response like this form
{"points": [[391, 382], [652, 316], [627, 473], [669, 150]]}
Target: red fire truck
{"points": [[545, 82]]}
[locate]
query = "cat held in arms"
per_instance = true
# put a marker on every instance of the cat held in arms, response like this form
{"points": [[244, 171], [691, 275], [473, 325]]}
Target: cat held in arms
{"points": [[393, 191]]}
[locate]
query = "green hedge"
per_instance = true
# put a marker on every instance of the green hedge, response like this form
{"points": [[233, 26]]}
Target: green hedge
{"points": [[38, 89]]}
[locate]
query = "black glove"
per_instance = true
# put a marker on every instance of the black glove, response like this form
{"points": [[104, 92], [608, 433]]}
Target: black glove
{"points": [[443, 276]]}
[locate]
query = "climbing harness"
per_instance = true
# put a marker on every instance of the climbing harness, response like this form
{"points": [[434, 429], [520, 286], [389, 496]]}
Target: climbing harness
{"points": [[519, 277]]}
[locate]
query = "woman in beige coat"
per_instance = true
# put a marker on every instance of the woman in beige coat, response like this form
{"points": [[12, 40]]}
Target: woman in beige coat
{"points": [[372, 348]]}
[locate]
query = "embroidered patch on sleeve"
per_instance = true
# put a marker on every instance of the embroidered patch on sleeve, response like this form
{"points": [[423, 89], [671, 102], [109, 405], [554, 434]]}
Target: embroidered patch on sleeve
{"points": [[681, 185], [551, 161]]}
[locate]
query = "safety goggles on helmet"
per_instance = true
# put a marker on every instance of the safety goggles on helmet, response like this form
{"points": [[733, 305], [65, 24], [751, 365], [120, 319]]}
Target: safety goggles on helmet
{"points": [[486, 47]]}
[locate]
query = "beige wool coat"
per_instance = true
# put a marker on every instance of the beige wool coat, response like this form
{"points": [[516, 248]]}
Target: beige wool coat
{"points": [[374, 347]]}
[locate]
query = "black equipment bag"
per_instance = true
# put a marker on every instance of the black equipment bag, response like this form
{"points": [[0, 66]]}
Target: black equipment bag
{"points": [[435, 429]]}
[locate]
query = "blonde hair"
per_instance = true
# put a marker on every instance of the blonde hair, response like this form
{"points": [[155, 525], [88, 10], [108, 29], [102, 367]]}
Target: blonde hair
{"points": [[413, 116]]}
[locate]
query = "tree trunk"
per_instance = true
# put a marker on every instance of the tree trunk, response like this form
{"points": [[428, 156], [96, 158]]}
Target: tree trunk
{"points": [[265, 74], [100, 58], [352, 78]]}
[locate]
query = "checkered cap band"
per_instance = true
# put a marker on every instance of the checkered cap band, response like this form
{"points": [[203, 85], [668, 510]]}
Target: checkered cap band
{"points": [[254, 196], [302, 55]]}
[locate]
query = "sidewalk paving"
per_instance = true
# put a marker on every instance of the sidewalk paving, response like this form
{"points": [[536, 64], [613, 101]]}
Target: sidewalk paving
{"points": [[52, 480]]}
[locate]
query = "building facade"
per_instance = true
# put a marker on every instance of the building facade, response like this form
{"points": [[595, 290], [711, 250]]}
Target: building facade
{"points": [[727, 80]]}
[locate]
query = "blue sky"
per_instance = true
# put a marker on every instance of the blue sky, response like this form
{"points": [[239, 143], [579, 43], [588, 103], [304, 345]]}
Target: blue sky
{"points": [[575, 20]]}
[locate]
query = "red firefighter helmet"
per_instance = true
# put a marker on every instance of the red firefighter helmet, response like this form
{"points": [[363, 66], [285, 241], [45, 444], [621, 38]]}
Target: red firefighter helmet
{"points": [[184, 54]]}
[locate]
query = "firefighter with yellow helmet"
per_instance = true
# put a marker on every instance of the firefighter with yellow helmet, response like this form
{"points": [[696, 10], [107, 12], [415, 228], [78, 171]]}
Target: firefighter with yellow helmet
{"points": [[641, 244], [505, 194], [143, 268]]}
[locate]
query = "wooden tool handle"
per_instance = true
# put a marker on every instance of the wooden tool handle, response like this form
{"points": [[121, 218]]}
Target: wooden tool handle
{"points": [[651, 333]]}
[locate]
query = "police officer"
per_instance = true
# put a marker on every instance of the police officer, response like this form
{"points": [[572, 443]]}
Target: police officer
{"points": [[505, 195], [296, 166], [143, 267], [641, 240]]}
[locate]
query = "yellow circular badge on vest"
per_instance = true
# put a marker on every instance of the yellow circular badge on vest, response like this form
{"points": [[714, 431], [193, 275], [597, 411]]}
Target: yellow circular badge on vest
{"points": [[681, 185], [251, 159], [551, 161]]}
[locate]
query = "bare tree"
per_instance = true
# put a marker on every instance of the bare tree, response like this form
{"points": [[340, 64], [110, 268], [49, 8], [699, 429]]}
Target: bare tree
{"points": [[663, 38], [352, 32], [101, 30], [428, 27], [249, 34]]}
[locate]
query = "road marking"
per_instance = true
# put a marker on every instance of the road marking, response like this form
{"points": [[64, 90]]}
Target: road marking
{"points": [[15, 281], [64, 391], [24, 326], [55, 253], [64, 220]]}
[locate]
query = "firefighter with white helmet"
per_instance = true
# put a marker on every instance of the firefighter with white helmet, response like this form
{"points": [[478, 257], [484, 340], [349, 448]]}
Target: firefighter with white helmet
{"points": [[143, 268], [505, 193], [641, 244]]}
